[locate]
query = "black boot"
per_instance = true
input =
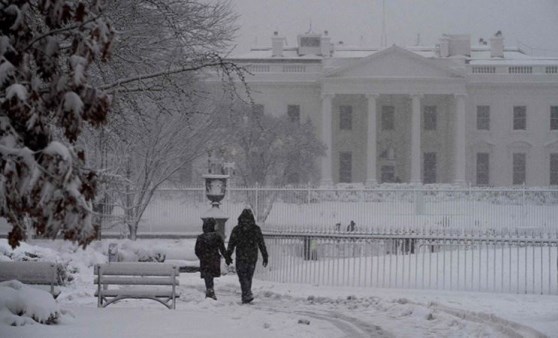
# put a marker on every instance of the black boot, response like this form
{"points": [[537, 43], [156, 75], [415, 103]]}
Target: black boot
{"points": [[210, 293], [247, 298]]}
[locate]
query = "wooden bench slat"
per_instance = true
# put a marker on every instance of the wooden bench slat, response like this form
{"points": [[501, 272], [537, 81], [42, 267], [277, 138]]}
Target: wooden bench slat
{"points": [[29, 272], [137, 269], [140, 280], [33, 280], [131, 293]]}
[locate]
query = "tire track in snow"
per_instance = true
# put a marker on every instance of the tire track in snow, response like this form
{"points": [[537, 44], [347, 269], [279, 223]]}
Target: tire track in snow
{"points": [[370, 330], [509, 328], [350, 326]]}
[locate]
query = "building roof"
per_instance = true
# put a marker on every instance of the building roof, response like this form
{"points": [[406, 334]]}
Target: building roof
{"points": [[480, 55]]}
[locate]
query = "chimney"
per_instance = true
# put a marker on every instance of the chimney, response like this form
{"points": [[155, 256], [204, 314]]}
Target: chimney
{"points": [[444, 46], [497, 45], [276, 45], [326, 45]]}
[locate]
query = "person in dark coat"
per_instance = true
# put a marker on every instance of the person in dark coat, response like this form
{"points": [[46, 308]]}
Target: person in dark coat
{"points": [[351, 226], [208, 246], [246, 238]]}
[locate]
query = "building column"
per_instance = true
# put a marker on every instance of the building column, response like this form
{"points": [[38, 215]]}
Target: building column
{"points": [[327, 139], [460, 142], [371, 141], [415, 139]]}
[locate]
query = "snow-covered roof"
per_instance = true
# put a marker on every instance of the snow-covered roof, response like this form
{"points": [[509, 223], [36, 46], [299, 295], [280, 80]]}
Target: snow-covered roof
{"points": [[479, 55]]}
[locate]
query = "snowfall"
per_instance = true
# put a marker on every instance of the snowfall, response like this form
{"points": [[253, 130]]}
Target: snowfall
{"points": [[279, 310]]}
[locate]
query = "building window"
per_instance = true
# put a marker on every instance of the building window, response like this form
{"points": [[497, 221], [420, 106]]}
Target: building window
{"points": [[345, 117], [483, 117], [554, 118], [388, 117], [430, 117], [387, 173], [345, 167], [519, 169], [483, 169], [429, 168], [554, 169], [519, 118], [293, 111], [258, 110]]}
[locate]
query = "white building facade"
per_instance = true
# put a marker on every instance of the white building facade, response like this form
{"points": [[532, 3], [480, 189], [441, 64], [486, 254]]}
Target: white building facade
{"points": [[454, 113]]}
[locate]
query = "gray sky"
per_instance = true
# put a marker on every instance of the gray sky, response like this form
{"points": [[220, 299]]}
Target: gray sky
{"points": [[531, 22]]}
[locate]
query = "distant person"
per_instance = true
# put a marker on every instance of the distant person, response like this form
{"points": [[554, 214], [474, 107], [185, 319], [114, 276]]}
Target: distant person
{"points": [[208, 246], [351, 226], [337, 227], [247, 238]]}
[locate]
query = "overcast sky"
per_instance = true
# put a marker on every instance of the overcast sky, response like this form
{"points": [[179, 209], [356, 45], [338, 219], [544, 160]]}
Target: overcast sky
{"points": [[534, 23]]}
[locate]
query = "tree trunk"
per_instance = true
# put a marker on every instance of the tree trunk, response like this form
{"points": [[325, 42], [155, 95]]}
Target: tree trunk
{"points": [[133, 232]]}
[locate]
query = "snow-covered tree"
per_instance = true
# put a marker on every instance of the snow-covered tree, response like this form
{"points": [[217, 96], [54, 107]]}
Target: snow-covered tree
{"points": [[161, 116], [46, 98], [171, 142], [271, 150]]}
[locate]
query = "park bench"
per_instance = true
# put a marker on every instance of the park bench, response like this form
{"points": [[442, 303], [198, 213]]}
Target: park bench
{"points": [[156, 281], [43, 275]]}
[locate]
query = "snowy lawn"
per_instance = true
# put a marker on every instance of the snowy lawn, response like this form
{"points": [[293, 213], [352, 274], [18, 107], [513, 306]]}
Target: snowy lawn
{"points": [[281, 310]]}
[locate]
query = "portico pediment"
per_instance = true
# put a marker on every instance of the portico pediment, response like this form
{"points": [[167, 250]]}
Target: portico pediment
{"points": [[394, 62]]}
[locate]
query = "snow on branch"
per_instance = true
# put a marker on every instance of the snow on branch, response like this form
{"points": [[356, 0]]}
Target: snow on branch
{"points": [[214, 62], [45, 89]]}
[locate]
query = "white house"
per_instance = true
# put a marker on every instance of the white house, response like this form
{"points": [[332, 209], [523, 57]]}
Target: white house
{"points": [[453, 113]]}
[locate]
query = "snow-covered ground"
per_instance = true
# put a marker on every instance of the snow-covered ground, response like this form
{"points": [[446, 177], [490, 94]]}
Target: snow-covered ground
{"points": [[280, 310]]}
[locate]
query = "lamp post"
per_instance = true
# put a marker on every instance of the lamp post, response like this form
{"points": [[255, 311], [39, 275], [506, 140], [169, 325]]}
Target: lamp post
{"points": [[215, 189]]}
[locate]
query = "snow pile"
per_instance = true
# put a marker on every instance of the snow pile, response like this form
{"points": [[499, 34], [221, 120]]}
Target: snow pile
{"points": [[134, 251], [21, 304], [70, 258], [26, 252]]}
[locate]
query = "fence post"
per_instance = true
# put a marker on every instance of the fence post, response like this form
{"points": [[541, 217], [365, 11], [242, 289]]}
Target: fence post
{"points": [[257, 200], [468, 207], [523, 208]]}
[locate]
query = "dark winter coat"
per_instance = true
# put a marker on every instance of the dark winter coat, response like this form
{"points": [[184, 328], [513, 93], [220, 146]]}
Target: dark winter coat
{"points": [[208, 246], [247, 238]]}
